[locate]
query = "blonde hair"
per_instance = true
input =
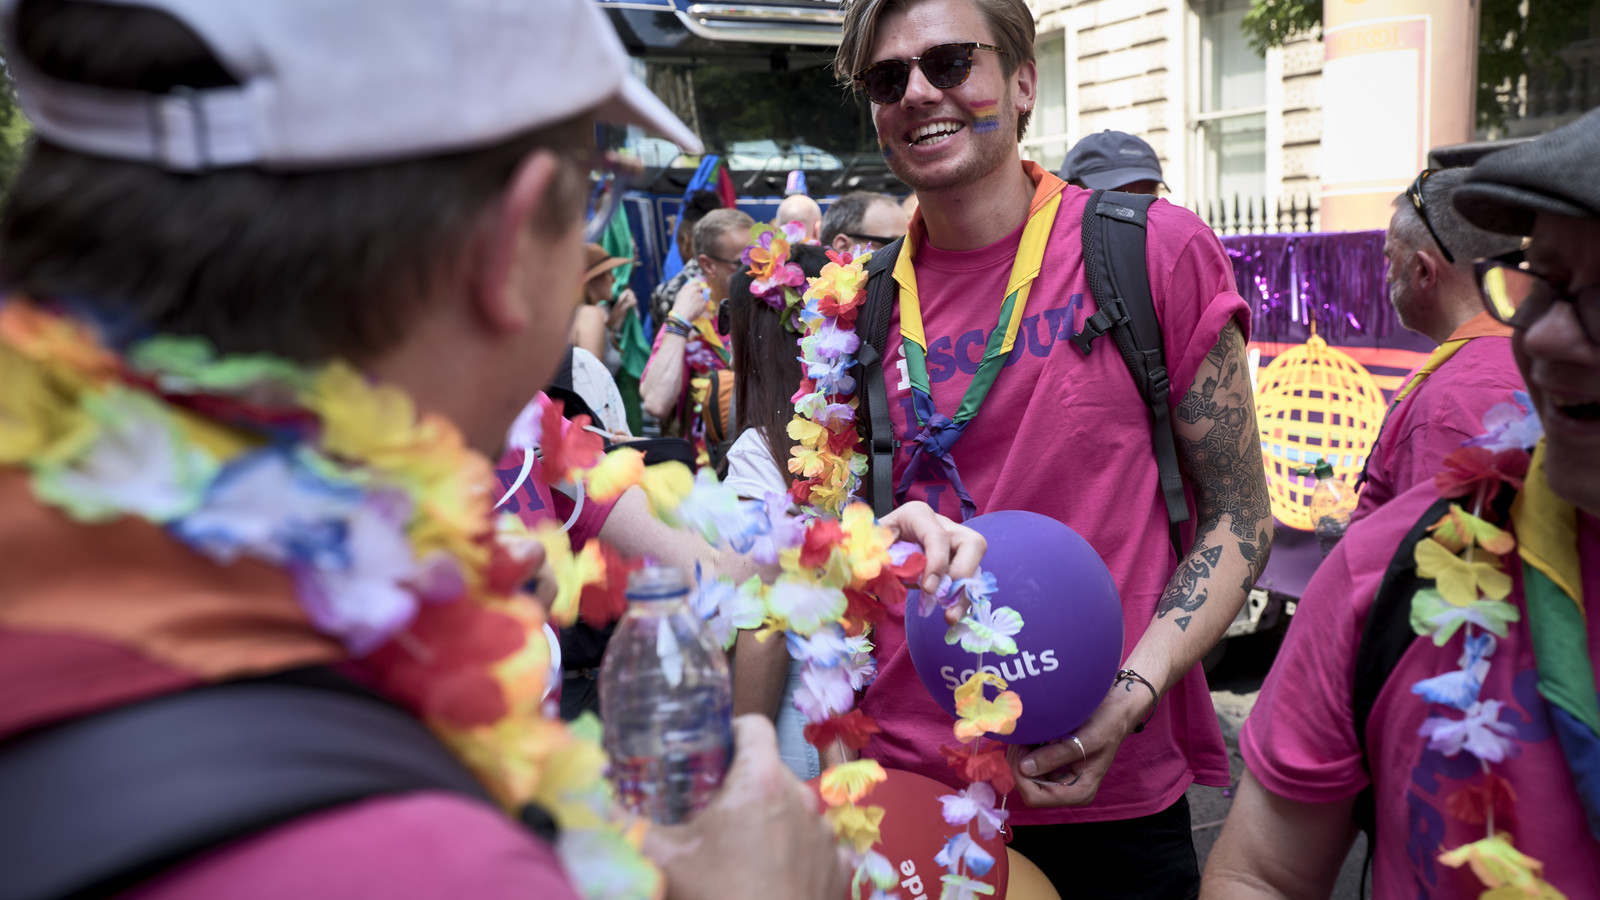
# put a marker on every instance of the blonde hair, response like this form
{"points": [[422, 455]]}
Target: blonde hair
{"points": [[1010, 21]]}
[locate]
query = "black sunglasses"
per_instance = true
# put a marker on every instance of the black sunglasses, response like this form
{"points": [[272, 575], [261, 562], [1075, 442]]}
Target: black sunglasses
{"points": [[944, 65], [878, 239], [1519, 296], [1414, 194]]}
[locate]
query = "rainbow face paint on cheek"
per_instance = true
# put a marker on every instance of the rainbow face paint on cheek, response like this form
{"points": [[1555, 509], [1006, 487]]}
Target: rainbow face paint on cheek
{"points": [[988, 116]]}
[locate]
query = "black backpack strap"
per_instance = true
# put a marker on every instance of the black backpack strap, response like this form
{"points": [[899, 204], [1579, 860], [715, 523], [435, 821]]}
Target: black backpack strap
{"points": [[872, 324], [1119, 281], [98, 804], [1387, 635]]}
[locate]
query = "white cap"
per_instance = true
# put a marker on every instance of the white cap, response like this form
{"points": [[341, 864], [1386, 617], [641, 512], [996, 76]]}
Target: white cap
{"points": [[337, 83]]}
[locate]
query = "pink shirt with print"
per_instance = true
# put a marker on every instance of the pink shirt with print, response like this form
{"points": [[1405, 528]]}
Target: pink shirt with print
{"points": [[1300, 740], [1066, 436], [1444, 410]]}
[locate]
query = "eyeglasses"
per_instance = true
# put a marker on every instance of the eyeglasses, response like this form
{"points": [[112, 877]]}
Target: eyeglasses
{"points": [[944, 65], [1519, 297], [1414, 194], [864, 239], [727, 262]]}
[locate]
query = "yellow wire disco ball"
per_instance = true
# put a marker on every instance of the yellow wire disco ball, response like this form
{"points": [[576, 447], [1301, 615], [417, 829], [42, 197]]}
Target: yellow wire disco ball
{"points": [[1314, 402]]}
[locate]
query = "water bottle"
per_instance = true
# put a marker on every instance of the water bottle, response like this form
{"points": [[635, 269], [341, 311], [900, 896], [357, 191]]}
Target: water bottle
{"points": [[1331, 504], [666, 700]]}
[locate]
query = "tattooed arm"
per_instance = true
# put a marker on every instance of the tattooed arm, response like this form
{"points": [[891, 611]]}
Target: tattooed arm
{"points": [[1221, 454]]}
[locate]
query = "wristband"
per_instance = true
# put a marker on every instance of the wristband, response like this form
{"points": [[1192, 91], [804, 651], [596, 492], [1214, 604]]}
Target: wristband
{"points": [[1131, 676], [677, 325]]}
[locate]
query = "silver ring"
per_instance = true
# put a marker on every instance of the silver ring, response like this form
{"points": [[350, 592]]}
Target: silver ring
{"points": [[1083, 755]]}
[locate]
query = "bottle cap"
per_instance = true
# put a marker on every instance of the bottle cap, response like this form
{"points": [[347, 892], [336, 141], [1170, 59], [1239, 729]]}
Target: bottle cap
{"points": [[1323, 469], [657, 583]]}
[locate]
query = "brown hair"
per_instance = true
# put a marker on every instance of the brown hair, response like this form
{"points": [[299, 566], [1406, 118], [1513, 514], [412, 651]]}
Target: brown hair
{"points": [[307, 265], [1010, 21], [766, 358]]}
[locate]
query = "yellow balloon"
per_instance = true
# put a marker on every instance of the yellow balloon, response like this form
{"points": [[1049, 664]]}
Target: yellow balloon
{"points": [[1314, 402], [1024, 881]]}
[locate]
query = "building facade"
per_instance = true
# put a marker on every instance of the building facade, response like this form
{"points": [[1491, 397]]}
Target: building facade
{"points": [[1239, 134]]}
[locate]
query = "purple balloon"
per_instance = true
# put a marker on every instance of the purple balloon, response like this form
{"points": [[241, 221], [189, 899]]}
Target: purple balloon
{"points": [[1071, 640]]}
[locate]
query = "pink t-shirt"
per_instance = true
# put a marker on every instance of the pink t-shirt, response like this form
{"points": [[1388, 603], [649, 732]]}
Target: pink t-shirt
{"points": [[1445, 409], [1066, 436], [1300, 740], [420, 846]]}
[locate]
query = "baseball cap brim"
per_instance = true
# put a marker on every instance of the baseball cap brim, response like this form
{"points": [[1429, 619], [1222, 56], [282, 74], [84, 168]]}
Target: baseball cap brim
{"points": [[633, 104], [1115, 178]]}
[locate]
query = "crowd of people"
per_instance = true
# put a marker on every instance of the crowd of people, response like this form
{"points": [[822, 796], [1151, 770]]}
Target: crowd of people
{"points": [[228, 206]]}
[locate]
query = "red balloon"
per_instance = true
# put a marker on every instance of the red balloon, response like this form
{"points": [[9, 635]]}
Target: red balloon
{"points": [[914, 831]]}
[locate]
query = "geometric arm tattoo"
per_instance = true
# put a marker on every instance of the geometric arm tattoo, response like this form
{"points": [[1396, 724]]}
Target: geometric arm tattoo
{"points": [[1220, 451]]}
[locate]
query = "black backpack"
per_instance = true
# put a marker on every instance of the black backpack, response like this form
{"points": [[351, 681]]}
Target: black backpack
{"points": [[1119, 281], [97, 805]]}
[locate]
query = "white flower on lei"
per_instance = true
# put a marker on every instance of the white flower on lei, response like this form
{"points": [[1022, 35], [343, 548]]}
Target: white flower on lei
{"points": [[1480, 733], [825, 647], [803, 604], [976, 801], [823, 693], [859, 665], [962, 851], [1460, 688], [1510, 426], [726, 608], [138, 465], [364, 598], [986, 629]]}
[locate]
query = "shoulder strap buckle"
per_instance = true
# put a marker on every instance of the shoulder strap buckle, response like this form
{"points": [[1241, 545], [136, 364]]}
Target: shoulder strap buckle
{"points": [[1111, 315]]}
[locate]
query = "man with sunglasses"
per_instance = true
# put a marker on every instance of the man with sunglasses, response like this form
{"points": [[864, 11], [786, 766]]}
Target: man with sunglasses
{"points": [[863, 219], [1479, 757], [1057, 432], [338, 195], [1430, 249]]}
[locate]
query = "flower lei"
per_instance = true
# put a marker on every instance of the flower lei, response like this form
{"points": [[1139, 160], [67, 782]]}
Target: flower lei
{"points": [[1467, 557], [776, 278], [704, 353], [382, 518], [829, 464]]}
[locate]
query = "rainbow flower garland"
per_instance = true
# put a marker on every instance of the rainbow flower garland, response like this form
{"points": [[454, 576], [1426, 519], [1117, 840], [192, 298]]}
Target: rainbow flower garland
{"points": [[830, 465], [776, 278], [1467, 556], [381, 517]]}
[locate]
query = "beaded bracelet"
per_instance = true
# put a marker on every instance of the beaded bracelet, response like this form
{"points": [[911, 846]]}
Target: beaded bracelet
{"points": [[676, 324], [1131, 676]]}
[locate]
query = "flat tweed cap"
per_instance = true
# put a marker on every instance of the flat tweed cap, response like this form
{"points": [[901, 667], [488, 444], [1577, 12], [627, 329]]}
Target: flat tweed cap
{"points": [[1558, 173]]}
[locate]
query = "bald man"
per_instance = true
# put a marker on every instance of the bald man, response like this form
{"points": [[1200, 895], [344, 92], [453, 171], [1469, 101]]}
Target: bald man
{"points": [[802, 209]]}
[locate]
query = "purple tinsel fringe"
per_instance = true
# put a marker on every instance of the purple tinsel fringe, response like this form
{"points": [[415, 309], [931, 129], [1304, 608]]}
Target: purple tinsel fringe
{"points": [[1335, 279]]}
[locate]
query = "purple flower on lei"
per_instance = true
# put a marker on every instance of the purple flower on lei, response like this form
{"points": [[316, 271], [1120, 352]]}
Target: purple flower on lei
{"points": [[1459, 689], [1480, 733], [351, 576], [1510, 426], [830, 377], [823, 693], [826, 647], [774, 529], [976, 801], [961, 850], [832, 342]]}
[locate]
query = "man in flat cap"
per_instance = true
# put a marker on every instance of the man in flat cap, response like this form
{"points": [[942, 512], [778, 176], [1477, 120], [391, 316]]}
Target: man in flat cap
{"points": [[1442, 696]]}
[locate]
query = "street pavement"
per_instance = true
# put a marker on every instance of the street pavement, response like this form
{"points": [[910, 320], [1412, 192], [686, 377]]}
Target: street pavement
{"points": [[1235, 683]]}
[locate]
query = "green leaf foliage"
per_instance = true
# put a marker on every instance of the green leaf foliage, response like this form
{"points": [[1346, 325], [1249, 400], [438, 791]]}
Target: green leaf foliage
{"points": [[1514, 39]]}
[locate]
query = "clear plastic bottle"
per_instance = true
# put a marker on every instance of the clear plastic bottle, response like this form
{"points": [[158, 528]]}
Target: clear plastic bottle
{"points": [[666, 700], [1331, 505]]}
